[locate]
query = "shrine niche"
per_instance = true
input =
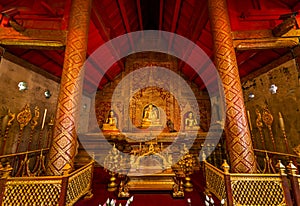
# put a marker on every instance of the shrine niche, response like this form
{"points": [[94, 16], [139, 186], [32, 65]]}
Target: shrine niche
{"points": [[171, 110], [151, 107]]}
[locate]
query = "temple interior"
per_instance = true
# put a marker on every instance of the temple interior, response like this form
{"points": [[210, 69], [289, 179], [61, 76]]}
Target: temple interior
{"points": [[139, 102]]}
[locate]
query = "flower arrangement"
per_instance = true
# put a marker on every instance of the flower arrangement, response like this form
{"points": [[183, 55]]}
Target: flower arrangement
{"points": [[113, 202]]}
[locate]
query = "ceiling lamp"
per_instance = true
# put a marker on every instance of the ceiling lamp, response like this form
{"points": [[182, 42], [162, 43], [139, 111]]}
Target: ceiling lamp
{"points": [[47, 94], [251, 95], [273, 89], [22, 86]]}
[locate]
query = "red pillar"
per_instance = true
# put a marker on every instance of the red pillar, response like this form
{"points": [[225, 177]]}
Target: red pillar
{"points": [[64, 144], [238, 137]]}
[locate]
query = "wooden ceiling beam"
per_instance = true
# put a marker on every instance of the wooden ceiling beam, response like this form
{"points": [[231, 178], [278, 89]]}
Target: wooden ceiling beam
{"points": [[25, 64], [55, 57], [33, 38], [174, 21], [244, 56], [200, 24], [125, 19], [139, 10], [268, 67], [103, 31], [124, 15], [264, 39], [176, 15], [206, 64], [161, 14], [97, 69]]}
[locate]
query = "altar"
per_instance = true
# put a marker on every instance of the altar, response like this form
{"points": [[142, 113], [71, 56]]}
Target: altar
{"points": [[151, 170]]}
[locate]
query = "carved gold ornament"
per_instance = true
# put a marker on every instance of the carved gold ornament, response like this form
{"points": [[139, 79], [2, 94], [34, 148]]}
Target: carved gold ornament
{"points": [[24, 117]]}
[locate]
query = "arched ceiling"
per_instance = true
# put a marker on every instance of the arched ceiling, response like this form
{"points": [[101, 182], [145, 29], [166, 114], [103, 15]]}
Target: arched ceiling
{"points": [[252, 23]]}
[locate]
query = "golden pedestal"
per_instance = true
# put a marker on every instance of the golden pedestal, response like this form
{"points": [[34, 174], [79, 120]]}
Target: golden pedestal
{"points": [[192, 128], [165, 181], [109, 127], [152, 182]]}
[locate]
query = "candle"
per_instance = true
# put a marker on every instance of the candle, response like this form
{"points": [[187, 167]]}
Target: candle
{"points": [[44, 119], [281, 123], [249, 120]]}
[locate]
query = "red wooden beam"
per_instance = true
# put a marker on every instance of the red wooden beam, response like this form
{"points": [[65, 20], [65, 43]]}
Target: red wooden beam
{"points": [[176, 15], [174, 21], [95, 72], [206, 64], [102, 29], [202, 20], [125, 19], [161, 10], [124, 15], [139, 9], [54, 56], [66, 15], [243, 57]]}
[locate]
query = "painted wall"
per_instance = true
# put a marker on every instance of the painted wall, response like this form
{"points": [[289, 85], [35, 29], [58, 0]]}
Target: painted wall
{"points": [[14, 100], [286, 101]]}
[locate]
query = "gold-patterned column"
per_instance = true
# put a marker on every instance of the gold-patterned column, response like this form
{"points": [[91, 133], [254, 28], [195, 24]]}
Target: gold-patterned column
{"points": [[64, 144], [238, 137]]}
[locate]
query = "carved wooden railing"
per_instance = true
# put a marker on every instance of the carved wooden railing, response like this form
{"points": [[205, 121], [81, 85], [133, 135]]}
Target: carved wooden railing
{"points": [[62, 190], [248, 189], [215, 182], [270, 157], [29, 163]]}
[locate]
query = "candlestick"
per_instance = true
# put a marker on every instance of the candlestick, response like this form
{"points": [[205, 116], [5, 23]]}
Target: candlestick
{"points": [[44, 119]]}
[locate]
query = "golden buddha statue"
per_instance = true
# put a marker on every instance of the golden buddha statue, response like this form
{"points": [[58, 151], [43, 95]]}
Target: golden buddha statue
{"points": [[150, 116], [111, 122], [191, 122]]}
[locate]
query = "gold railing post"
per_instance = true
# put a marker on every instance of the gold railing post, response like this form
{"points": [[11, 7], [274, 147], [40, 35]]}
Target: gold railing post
{"points": [[63, 193], [292, 172], [2, 188], [227, 181], [64, 184], [285, 184], [5, 173]]}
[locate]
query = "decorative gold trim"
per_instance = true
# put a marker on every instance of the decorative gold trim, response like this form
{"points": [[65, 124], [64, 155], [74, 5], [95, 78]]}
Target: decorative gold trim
{"points": [[79, 184], [33, 38], [257, 189], [215, 182]]}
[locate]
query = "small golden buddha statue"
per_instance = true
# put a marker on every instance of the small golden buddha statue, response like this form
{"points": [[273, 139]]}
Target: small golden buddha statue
{"points": [[110, 122], [150, 116], [191, 122]]}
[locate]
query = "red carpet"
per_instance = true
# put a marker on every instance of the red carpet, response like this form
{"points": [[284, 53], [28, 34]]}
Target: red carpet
{"points": [[101, 194]]}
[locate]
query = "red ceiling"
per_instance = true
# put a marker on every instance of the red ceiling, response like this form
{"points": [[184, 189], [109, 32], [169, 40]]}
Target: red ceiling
{"points": [[112, 18]]}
